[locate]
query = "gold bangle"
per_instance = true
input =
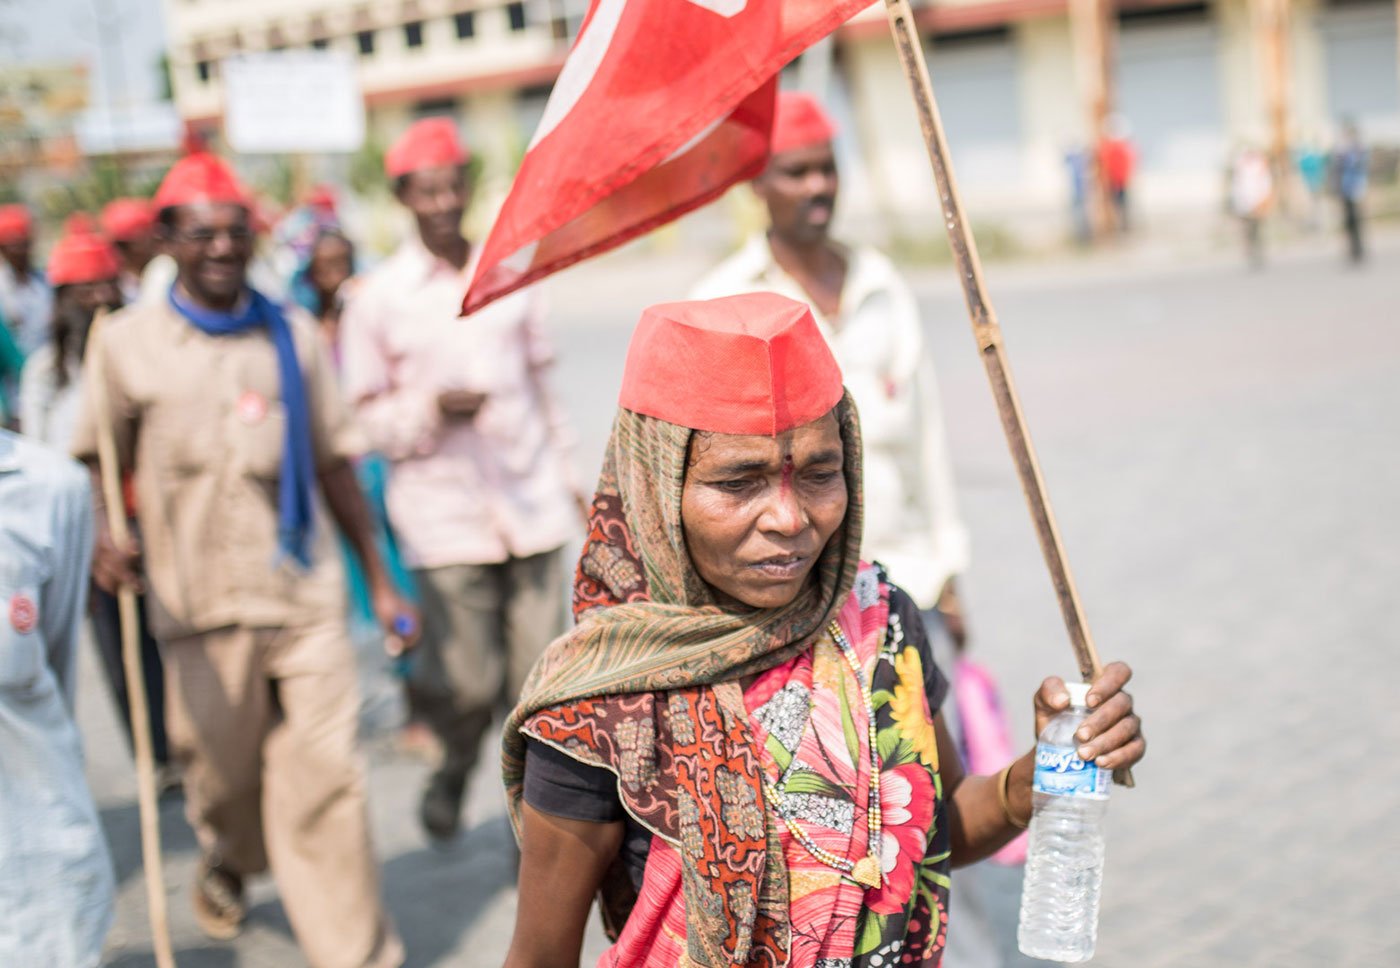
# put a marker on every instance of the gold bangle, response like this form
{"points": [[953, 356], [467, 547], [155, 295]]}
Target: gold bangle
{"points": [[1003, 781]]}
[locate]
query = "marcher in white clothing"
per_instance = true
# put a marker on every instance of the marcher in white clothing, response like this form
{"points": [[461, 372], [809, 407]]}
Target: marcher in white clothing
{"points": [[56, 883], [869, 316]]}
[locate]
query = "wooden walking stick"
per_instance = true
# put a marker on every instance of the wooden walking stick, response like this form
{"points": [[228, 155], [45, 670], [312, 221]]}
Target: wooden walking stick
{"points": [[987, 331], [110, 470]]}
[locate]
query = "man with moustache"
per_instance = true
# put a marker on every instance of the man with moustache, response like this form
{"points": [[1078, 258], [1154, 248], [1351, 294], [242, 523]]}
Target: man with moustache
{"points": [[482, 496], [869, 317], [226, 412]]}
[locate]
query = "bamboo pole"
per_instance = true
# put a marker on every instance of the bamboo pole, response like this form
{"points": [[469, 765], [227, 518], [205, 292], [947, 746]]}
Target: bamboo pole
{"points": [[987, 331], [110, 471]]}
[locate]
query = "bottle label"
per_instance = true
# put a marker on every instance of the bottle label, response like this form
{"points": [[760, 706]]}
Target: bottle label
{"points": [[1060, 772]]}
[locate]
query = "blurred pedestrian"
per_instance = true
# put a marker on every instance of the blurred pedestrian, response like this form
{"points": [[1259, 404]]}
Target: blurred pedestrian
{"points": [[868, 314], [1077, 163], [1350, 174], [1251, 197], [482, 495], [320, 285], [322, 281], [26, 301], [225, 411], [57, 885], [1117, 160], [84, 271], [1312, 169], [130, 223]]}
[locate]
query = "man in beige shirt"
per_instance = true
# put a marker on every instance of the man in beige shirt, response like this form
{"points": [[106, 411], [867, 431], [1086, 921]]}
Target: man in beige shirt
{"points": [[229, 418]]}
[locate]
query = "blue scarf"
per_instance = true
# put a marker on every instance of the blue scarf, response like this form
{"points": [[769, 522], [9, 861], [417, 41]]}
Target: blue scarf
{"points": [[294, 511]]}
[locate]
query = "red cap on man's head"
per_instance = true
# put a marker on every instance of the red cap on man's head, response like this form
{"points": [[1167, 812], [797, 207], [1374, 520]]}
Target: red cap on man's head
{"points": [[124, 219], [799, 121], [16, 224], [81, 255], [200, 179], [430, 143], [754, 365]]}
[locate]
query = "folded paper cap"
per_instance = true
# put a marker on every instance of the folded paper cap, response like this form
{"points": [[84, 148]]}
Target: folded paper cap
{"points": [[16, 224], [799, 121], [751, 365], [200, 179], [430, 143], [124, 219], [81, 255]]}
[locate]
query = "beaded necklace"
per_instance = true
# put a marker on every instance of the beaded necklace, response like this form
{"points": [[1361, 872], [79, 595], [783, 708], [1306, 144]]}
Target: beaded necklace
{"points": [[867, 871]]}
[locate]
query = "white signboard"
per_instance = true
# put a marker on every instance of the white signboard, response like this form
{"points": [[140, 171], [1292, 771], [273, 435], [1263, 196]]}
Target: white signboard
{"points": [[293, 101]]}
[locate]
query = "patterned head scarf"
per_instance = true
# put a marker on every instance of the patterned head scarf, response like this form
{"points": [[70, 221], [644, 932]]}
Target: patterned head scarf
{"points": [[652, 672], [648, 683]]}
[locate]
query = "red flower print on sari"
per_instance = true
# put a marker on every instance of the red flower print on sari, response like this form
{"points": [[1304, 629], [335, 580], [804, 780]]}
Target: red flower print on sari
{"points": [[906, 805]]}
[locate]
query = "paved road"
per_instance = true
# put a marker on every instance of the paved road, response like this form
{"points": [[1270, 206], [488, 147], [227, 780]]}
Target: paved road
{"points": [[1221, 448]]}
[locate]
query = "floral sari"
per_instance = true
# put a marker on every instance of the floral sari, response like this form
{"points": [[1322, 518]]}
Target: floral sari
{"points": [[647, 687]]}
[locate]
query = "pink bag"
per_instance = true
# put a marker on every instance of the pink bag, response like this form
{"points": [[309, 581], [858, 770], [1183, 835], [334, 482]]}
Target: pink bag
{"points": [[986, 736]]}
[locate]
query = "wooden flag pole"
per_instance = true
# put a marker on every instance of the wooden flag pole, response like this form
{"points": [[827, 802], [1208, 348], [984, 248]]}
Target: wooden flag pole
{"points": [[110, 471], [987, 331]]}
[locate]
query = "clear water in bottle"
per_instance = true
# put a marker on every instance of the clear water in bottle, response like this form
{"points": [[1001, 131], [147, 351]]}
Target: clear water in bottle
{"points": [[1064, 866]]}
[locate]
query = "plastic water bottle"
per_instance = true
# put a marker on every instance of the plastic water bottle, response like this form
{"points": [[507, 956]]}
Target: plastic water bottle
{"points": [[1064, 869]]}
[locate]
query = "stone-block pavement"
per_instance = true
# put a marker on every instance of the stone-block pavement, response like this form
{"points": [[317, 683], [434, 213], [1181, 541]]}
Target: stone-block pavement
{"points": [[1223, 451]]}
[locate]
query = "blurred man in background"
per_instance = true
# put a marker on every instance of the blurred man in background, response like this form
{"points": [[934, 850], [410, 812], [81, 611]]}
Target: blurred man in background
{"points": [[84, 271], [1117, 160], [130, 223], [1351, 172], [482, 496], [26, 301], [57, 888], [227, 415], [869, 316]]}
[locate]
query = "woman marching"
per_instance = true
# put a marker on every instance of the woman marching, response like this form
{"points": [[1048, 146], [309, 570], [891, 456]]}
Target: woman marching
{"points": [[739, 747]]}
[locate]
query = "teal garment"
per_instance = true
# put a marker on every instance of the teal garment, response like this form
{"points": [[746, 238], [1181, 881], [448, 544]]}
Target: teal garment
{"points": [[11, 363], [372, 471]]}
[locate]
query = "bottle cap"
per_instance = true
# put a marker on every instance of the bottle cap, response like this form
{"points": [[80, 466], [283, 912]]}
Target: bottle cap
{"points": [[1078, 693]]}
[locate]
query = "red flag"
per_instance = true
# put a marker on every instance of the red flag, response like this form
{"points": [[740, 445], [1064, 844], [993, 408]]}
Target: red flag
{"points": [[660, 107]]}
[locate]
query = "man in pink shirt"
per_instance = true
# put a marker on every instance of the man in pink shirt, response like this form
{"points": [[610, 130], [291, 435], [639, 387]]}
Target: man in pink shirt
{"points": [[482, 496]]}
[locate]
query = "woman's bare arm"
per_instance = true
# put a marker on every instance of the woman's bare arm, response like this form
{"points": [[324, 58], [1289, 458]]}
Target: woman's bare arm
{"points": [[562, 862]]}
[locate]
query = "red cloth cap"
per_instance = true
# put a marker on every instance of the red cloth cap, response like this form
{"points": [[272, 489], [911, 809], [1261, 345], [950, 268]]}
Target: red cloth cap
{"points": [[125, 219], [200, 179], [754, 364], [799, 121], [81, 255], [430, 143], [16, 224], [322, 197]]}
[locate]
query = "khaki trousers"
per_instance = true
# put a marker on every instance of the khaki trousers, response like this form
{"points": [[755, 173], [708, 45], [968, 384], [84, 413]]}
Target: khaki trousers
{"points": [[264, 723], [483, 628]]}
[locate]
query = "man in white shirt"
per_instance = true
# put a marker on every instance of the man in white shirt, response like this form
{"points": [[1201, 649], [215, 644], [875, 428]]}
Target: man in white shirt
{"points": [[482, 497], [868, 315]]}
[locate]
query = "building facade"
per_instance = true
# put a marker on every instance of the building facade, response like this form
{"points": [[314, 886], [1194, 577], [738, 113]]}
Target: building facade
{"points": [[1188, 81]]}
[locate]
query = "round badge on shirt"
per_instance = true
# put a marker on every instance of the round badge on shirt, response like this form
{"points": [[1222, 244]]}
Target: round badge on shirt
{"points": [[24, 614], [251, 407]]}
